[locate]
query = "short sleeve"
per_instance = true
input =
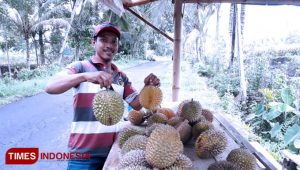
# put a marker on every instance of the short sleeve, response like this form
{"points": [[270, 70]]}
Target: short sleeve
{"points": [[75, 67]]}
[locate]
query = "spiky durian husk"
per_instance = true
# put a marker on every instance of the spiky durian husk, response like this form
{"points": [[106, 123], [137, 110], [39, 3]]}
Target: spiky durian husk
{"points": [[166, 111], [182, 163], [185, 131], [223, 165], [150, 97], [136, 117], [127, 132], [191, 111], [179, 109], [200, 127], [163, 146], [208, 115], [174, 121], [242, 158], [133, 158], [108, 107], [157, 118], [149, 129], [136, 167], [210, 143], [134, 142]]}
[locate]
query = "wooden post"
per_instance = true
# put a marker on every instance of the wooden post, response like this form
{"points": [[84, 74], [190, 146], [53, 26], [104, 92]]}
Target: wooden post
{"points": [[177, 50]]}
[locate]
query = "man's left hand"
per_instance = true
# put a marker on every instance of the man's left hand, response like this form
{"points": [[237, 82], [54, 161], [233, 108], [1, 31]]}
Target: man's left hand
{"points": [[152, 79]]}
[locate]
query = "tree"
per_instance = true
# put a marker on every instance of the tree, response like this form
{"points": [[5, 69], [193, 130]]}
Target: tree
{"points": [[24, 16]]}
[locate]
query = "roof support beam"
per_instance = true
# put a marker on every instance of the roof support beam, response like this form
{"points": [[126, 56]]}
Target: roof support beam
{"points": [[151, 25], [132, 3], [253, 2], [177, 49]]}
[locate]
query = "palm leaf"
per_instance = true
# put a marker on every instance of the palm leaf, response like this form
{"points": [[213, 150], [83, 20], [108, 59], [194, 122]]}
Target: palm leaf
{"points": [[55, 21]]}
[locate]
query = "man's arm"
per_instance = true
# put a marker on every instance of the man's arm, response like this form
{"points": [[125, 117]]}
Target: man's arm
{"points": [[135, 104], [66, 80]]}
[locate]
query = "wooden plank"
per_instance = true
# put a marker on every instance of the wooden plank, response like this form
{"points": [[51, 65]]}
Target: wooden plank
{"points": [[151, 25], [267, 155], [293, 157], [250, 2], [235, 135], [177, 50]]}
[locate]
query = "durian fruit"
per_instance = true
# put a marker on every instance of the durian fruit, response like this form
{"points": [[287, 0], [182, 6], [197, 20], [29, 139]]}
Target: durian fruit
{"points": [[136, 117], [208, 115], [166, 111], [191, 111], [136, 167], [127, 132], [157, 118], [200, 127], [134, 158], [174, 121], [150, 97], [223, 165], [149, 129], [179, 109], [182, 163], [185, 131], [242, 158], [210, 143], [108, 107], [134, 142], [163, 146]]}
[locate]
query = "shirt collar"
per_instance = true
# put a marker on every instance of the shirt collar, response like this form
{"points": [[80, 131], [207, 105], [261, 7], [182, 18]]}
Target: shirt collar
{"points": [[97, 61]]}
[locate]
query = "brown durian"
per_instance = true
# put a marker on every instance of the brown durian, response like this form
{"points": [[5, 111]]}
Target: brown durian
{"points": [[185, 131], [127, 132], [200, 127], [166, 111], [242, 158], [150, 97], [134, 142], [182, 163], [208, 115], [136, 117], [157, 118], [163, 146], [210, 143], [134, 158], [174, 121], [191, 111]]}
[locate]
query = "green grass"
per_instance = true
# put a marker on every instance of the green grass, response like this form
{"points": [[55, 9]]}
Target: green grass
{"points": [[14, 90]]}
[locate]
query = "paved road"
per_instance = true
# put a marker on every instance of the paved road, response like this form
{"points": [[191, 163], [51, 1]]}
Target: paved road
{"points": [[44, 120]]}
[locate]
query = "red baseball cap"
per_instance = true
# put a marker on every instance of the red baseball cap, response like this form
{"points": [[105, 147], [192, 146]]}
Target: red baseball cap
{"points": [[107, 26]]}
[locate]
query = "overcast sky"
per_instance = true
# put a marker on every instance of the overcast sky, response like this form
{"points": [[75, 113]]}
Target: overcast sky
{"points": [[263, 22]]}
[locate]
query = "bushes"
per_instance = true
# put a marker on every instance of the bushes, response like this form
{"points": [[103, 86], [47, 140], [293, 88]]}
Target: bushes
{"points": [[39, 72]]}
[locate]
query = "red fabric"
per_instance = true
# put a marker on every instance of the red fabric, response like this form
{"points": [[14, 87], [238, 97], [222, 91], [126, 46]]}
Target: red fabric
{"points": [[91, 140], [83, 100]]}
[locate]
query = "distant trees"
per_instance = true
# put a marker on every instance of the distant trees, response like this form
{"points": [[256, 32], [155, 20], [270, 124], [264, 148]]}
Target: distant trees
{"points": [[27, 18]]}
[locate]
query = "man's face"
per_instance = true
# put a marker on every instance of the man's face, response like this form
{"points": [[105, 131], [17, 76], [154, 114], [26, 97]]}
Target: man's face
{"points": [[106, 46]]}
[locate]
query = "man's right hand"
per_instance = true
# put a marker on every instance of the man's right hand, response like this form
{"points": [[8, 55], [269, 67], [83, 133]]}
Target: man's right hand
{"points": [[100, 77]]}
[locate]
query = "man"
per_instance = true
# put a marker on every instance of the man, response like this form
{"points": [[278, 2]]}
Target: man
{"points": [[87, 77]]}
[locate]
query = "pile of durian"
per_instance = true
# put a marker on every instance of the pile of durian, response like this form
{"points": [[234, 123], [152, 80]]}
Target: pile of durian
{"points": [[157, 136]]}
